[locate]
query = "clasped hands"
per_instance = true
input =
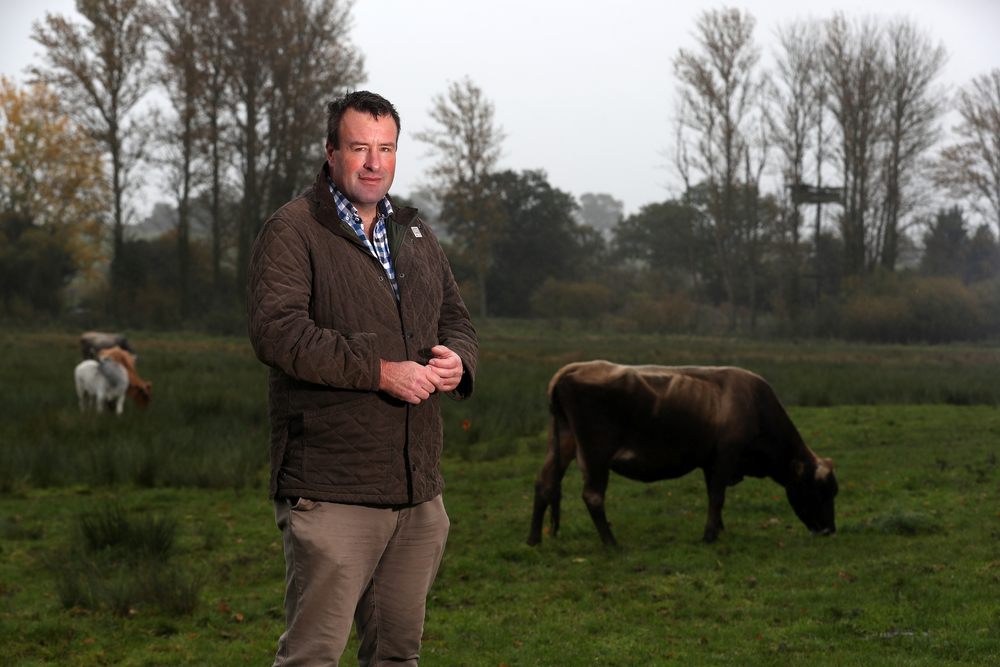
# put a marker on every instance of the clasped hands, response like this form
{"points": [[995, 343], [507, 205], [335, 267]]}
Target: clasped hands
{"points": [[412, 382]]}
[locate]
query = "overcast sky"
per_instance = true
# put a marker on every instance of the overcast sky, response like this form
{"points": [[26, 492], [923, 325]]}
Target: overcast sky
{"points": [[584, 89]]}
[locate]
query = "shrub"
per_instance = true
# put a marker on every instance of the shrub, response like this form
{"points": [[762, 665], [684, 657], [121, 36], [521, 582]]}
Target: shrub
{"points": [[665, 314], [559, 299], [883, 319], [893, 309]]}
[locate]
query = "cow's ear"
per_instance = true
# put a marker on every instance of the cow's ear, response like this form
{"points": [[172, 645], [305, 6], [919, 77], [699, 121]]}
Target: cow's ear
{"points": [[828, 463], [799, 468]]}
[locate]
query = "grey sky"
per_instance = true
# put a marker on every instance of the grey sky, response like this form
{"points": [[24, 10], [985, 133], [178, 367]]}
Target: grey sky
{"points": [[584, 89]]}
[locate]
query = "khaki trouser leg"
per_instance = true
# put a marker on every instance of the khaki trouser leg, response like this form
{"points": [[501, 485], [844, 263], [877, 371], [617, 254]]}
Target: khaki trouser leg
{"points": [[346, 561]]}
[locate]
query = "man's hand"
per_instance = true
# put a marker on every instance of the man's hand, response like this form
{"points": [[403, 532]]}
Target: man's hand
{"points": [[448, 367], [408, 381]]}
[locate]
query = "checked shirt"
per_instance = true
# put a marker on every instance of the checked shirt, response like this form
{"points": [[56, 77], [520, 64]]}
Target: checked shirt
{"points": [[380, 247]]}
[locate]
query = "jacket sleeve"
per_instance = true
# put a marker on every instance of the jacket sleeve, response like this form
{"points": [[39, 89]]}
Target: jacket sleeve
{"points": [[455, 331], [282, 331]]}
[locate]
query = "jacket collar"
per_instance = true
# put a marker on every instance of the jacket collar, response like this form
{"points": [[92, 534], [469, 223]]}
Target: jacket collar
{"points": [[324, 208]]}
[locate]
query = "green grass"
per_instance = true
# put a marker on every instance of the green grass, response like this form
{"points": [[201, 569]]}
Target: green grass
{"points": [[910, 579]]}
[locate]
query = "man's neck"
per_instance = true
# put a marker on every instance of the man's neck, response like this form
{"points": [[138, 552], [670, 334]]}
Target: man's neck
{"points": [[368, 220]]}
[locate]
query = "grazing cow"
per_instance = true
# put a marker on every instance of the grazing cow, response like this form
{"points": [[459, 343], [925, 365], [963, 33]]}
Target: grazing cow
{"points": [[140, 391], [105, 381], [659, 422], [94, 341]]}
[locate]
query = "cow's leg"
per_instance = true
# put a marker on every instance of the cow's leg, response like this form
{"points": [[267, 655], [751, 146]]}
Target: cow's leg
{"points": [[715, 480], [548, 485], [120, 404], [595, 484]]}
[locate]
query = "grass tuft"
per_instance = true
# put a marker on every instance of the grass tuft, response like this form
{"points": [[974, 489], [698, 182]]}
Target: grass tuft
{"points": [[118, 561], [127, 535], [898, 521]]}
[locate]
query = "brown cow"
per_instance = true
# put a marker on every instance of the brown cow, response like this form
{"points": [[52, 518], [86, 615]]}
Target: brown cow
{"points": [[140, 391], [660, 422], [93, 342]]}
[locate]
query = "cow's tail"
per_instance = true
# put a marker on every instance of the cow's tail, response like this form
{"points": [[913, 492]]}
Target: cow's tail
{"points": [[548, 485]]}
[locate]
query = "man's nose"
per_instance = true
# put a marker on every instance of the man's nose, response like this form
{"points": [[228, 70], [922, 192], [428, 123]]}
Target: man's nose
{"points": [[373, 161]]}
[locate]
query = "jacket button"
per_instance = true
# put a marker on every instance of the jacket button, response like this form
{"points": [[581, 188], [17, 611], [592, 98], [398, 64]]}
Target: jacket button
{"points": [[413, 467], [402, 275], [409, 334], [380, 278]]}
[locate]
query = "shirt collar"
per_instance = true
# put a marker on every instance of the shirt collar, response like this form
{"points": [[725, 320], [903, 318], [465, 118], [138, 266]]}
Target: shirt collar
{"points": [[347, 211]]}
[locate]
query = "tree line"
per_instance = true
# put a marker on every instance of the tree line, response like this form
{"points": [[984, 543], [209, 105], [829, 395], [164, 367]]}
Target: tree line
{"points": [[806, 189], [245, 83]]}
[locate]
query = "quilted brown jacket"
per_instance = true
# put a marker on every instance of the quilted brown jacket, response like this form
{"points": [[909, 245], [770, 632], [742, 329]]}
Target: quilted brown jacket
{"points": [[321, 314]]}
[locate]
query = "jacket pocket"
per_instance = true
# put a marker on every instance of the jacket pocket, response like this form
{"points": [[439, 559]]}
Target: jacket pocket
{"points": [[349, 445]]}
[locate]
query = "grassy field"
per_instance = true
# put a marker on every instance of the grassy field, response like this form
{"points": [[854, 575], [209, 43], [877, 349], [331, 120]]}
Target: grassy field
{"points": [[910, 579]]}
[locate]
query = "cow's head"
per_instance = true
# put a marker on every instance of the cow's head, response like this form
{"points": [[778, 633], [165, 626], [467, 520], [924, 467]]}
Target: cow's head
{"points": [[141, 393], [811, 490]]}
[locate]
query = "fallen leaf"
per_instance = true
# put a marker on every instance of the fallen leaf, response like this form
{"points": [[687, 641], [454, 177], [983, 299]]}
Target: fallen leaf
{"points": [[579, 560], [781, 544], [239, 617], [224, 608], [89, 640]]}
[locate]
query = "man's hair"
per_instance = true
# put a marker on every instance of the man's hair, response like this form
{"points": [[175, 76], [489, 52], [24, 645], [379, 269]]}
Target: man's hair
{"points": [[360, 100]]}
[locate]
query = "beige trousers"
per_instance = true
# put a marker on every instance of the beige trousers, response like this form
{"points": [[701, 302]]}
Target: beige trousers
{"points": [[372, 565]]}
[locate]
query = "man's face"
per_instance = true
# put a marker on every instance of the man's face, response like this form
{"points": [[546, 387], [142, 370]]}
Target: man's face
{"points": [[363, 167]]}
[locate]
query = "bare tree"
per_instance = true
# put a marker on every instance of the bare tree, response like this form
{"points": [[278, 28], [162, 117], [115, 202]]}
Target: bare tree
{"points": [[217, 123], [100, 71], [913, 108], [284, 58], [971, 168], [854, 62], [179, 24], [721, 89], [468, 145], [251, 37], [314, 63], [798, 110]]}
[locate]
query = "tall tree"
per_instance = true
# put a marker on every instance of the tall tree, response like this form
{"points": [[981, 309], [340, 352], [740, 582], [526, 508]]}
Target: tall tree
{"points": [[467, 144], [284, 57], [100, 71], [543, 240], [670, 235], [214, 103], [945, 244], [178, 24], [854, 62], [971, 168], [913, 108], [798, 108], [721, 89], [52, 195], [602, 212], [314, 64]]}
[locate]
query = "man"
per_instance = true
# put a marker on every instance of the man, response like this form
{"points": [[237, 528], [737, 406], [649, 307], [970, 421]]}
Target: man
{"points": [[352, 305]]}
